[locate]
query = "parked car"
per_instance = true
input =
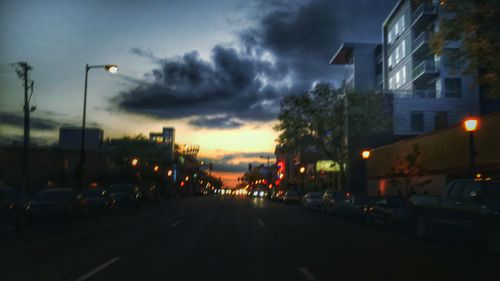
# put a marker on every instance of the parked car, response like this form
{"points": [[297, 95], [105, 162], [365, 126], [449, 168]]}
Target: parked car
{"points": [[291, 197], [126, 196], [150, 192], [469, 209], [330, 201], [312, 201], [57, 204], [278, 195], [389, 211], [98, 200], [12, 211], [354, 207]]}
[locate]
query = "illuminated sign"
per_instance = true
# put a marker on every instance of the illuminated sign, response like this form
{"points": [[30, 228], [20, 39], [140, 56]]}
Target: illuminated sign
{"points": [[327, 166]]}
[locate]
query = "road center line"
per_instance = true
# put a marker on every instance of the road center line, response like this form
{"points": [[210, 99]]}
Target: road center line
{"points": [[307, 274], [261, 223], [176, 223], [97, 269]]}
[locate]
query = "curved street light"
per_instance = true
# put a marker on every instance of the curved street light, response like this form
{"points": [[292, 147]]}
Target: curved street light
{"points": [[111, 68]]}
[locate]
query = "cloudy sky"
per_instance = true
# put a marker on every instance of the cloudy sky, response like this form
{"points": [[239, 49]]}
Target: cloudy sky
{"points": [[213, 69]]}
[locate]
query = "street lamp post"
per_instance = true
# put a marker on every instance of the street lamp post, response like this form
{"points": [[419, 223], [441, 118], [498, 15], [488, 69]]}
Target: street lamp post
{"points": [[111, 68], [471, 125], [365, 154]]}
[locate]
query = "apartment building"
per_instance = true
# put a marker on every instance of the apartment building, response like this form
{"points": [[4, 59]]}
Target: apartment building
{"points": [[429, 90], [363, 65]]}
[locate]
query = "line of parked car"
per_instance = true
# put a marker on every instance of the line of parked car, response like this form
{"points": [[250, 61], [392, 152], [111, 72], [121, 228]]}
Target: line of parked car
{"points": [[65, 204], [469, 210]]}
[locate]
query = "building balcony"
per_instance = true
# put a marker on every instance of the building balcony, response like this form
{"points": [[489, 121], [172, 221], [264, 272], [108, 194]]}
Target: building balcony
{"points": [[425, 70], [423, 14], [415, 94], [420, 45]]}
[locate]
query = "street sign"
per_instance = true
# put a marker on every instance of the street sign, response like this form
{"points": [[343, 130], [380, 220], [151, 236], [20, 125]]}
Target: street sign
{"points": [[327, 166]]}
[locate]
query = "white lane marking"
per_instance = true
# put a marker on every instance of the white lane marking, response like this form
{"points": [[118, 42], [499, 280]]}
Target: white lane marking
{"points": [[261, 223], [307, 274], [176, 223], [97, 269]]}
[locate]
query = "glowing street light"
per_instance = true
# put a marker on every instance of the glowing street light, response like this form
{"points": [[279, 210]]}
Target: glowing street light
{"points": [[169, 173], [111, 68], [134, 162], [365, 154], [471, 125], [302, 169], [156, 168]]}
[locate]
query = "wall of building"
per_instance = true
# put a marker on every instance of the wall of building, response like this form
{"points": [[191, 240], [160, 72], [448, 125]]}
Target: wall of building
{"points": [[444, 155]]}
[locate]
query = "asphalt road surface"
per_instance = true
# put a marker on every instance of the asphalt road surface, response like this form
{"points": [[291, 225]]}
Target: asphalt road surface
{"points": [[227, 238]]}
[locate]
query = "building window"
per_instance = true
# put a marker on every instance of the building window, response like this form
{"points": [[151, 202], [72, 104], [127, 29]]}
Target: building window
{"points": [[417, 121], [438, 89], [389, 61], [402, 24], [403, 49], [441, 120], [403, 75], [453, 87]]}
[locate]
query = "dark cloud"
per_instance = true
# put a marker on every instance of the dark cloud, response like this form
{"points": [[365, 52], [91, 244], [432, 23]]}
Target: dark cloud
{"points": [[217, 122], [36, 123], [45, 121], [190, 86], [287, 50]]}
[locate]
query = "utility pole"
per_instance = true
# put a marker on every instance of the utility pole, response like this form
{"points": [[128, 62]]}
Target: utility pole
{"points": [[23, 73]]}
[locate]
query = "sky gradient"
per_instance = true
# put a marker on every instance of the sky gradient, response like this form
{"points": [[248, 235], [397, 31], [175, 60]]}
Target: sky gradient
{"points": [[215, 70]]}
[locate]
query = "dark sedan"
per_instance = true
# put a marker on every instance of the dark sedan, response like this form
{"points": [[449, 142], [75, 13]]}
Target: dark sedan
{"points": [[98, 200], [389, 211], [312, 201], [57, 204], [291, 197], [330, 201], [354, 207], [11, 208], [126, 196]]}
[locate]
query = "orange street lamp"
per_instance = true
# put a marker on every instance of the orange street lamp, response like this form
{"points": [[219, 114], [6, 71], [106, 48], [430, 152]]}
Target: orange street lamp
{"points": [[365, 154], [156, 168], [134, 162], [471, 125], [169, 173], [302, 169]]}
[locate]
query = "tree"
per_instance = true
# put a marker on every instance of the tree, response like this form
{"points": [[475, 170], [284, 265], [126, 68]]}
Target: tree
{"points": [[147, 153], [407, 168], [324, 118], [476, 23]]}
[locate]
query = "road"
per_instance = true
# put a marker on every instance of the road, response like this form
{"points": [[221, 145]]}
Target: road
{"points": [[227, 238]]}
